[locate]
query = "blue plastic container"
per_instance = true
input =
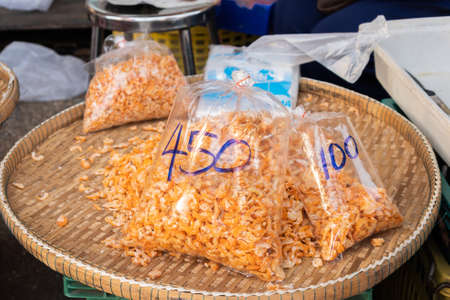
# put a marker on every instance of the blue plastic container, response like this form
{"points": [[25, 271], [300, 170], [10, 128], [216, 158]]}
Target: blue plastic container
{"points": [[232, 17]]}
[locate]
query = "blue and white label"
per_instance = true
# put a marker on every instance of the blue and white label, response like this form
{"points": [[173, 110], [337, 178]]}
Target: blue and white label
{"points": [[280, 80]]}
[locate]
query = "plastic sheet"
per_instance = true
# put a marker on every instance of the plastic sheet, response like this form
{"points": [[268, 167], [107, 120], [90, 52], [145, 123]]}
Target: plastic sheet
{"points": [[136, 82], [341, 190], [346, 54], [216, 187], [43, 74], [272, 61]]}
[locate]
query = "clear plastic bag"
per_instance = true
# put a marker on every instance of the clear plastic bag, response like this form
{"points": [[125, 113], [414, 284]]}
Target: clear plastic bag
{"points": [[342, 193], [136, 82], [273, 60], [345, 54], [113, 42], [217, 183], [297, 233]]}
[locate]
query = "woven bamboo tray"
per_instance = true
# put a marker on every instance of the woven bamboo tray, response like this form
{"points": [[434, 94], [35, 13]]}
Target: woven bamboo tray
{"points": [[9, 92], [401, 153]]}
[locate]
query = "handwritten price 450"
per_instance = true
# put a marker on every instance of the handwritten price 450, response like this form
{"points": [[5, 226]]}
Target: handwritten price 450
{"points": [[346, 152], [215, 157]]}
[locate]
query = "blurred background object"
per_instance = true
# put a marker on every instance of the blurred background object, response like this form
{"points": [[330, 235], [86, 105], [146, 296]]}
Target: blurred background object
{"points": [[43, 74], [26, 5], [146, 19]]}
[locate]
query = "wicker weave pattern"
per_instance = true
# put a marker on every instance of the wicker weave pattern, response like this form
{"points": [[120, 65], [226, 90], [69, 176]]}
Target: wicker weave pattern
{"points": [[405, 159], [9, 92]]}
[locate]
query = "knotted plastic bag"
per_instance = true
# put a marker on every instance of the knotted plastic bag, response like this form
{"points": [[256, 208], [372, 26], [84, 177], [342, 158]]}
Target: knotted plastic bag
{"points": [[342, 193], [344, 53], [216, 187], [136, 82], [273, 60]]}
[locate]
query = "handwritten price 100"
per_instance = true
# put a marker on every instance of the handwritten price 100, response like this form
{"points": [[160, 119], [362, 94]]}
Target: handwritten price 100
{"points": [[346, 152], [215, 157]]}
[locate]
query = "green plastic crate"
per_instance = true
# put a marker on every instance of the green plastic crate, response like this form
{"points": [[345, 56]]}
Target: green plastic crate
{"points": [[74, 289], [367, 295], [445, 203]]}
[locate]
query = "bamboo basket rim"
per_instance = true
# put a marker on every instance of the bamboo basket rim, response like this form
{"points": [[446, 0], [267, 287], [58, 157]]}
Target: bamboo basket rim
{"points": [[9, 98], [424, 226]]}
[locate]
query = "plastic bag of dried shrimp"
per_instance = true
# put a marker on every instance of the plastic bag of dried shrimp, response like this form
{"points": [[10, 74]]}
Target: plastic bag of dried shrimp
{"points": [[341, 191], [136, 82], [216, 187]]}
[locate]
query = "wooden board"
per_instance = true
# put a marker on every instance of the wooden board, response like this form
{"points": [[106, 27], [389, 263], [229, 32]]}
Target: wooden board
{"points": [[402, 155], [429, 62]]}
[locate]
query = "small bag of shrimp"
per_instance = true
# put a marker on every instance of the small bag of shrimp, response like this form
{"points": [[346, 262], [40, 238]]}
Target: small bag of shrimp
{"points": [[135, 82], [216, 186], [342, 193]]}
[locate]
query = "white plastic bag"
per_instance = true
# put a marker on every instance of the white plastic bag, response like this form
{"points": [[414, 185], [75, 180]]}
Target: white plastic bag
{"points": [[27, 5], [43, 74], [346, 54]]}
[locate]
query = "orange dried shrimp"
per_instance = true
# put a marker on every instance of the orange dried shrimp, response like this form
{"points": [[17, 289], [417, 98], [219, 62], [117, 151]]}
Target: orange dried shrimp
{"points": [[342, 210], [140, 88]]}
